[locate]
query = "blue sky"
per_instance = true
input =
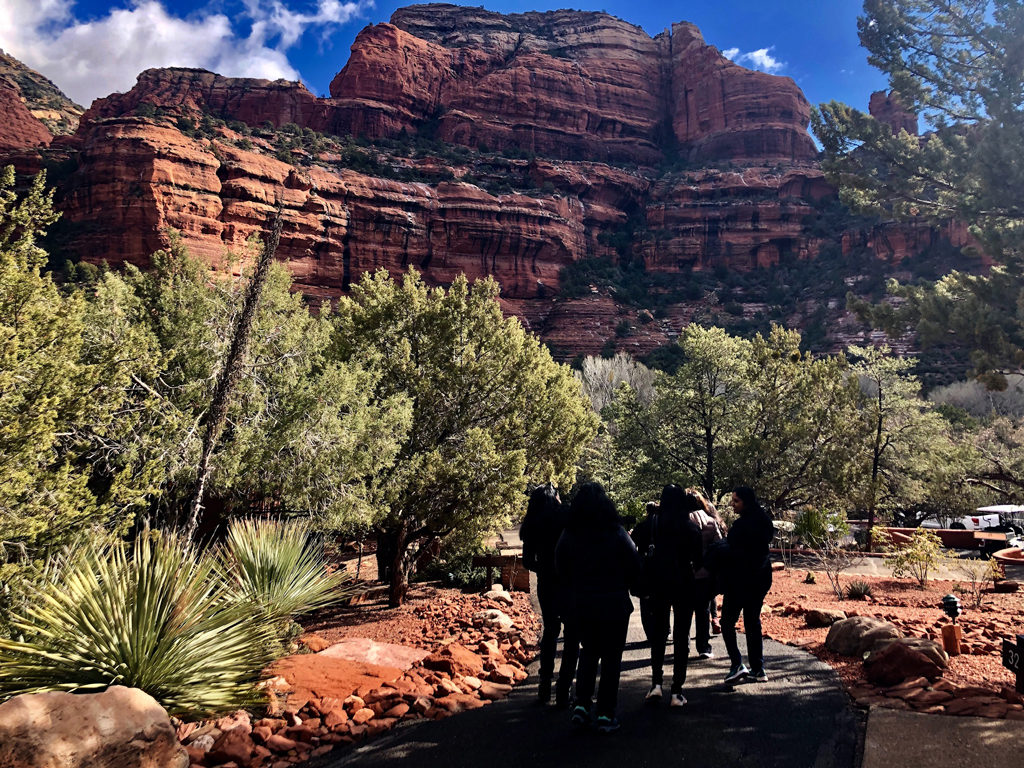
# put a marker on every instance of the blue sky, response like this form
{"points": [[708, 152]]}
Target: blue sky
{"points": [[92, 47]]}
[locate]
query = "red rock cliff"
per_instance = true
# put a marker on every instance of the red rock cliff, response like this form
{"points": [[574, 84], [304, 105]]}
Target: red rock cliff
{"points": [[18, 128], [493, 136]]}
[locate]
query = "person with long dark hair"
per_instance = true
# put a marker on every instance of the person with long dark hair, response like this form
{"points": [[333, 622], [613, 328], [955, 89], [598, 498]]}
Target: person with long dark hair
{"points": [[677, 555], [747, 581], [599, 563], [542, 527]]}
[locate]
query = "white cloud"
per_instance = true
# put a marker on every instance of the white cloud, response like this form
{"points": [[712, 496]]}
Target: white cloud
{"points": [[89, 59], [761, 59]]}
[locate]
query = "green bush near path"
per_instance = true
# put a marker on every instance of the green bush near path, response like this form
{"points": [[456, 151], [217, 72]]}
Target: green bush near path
{"points": [[193, 630]]}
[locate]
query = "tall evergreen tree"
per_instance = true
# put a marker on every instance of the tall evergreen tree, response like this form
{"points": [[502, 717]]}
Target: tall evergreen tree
{"points": [[961, 64]]}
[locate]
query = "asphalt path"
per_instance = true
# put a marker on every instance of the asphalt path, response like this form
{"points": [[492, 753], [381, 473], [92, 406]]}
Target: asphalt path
{"points": [[799, 719]]}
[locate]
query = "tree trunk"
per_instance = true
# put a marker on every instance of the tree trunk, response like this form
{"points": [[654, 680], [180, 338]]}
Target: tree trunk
{"points": [[401, 568], [230, 373], [709, 472], [386, 541]]}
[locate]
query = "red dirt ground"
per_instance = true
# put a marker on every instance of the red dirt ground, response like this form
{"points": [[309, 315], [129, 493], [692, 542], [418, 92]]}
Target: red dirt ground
{"points": [[916, 611]]}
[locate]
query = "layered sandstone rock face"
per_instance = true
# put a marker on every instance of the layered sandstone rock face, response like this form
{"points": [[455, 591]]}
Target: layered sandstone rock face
{"points": [[44, 100], [886, 108], [18, 128], [508, 145]]}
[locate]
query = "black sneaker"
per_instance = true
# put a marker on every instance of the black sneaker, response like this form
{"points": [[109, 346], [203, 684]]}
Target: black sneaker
{"points": [[544, 691], [580, 715], [736, 673]]}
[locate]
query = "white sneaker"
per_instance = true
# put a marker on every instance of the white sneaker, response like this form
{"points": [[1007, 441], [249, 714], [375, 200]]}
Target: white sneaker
{"points": [[678, 700], [653, 695], [706, 654]]}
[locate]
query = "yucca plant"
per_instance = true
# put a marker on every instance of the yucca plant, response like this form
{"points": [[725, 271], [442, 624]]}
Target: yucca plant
{"points": [[154, 615], [280, 568], [858, 590]]}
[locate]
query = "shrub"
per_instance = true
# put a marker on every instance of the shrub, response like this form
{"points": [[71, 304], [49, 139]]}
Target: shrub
{"points": [[918, 558], [858, 590], [155, 616], [455, 569], [976, 574], [824, 532], [280, 569]]}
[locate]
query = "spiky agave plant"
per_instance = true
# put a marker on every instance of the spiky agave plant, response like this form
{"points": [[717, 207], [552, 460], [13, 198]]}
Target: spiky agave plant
{"points": [[280, 568], [156, 616]]}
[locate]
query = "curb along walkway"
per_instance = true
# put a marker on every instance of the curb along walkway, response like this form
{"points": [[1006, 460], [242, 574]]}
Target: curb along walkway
{"points": [[801, 718]]}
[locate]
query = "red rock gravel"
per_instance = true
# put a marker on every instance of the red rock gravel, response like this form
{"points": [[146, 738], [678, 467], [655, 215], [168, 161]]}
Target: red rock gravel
{"points": [[976, 676], [317, 703]]}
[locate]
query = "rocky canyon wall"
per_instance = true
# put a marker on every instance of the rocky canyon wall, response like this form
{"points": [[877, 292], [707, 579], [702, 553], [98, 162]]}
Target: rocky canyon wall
{"points": [[460, 140]]}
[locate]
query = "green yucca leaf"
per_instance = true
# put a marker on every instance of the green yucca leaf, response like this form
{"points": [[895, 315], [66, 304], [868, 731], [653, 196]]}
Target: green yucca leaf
{"points": [[280, 567], [160, 619]]}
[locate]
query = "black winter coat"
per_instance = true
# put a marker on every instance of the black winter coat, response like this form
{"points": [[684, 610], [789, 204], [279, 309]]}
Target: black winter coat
{"points": [[598, 567], [678, 553], [749, 540], [540, 533]]}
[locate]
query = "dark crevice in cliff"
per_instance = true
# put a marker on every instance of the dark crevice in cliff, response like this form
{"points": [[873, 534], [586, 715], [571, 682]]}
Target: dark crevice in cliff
{"points": [[346, 255]]}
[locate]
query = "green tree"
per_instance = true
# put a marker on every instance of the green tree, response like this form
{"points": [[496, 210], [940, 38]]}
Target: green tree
{"points": [[64, 375], [490, 411], [962, 65], [301, 434], [685, 433], [798, 431], [902, 434]]}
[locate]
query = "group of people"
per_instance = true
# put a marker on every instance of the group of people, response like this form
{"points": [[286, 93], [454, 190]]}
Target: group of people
{"points": [[677, 561]]}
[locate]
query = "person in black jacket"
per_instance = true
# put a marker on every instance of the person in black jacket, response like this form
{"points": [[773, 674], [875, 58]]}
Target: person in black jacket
{"points": [[747, 581], [641, 536], [599, 563], [677, 555], [542, 527]]}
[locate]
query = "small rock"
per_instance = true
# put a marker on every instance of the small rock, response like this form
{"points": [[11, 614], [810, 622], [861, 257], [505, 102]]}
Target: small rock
{"points": [[362, 716], [499, 597], [354, 703], [235, 745], [493, 691], [823, 617], [1006, 586], [493, 618], [399, 710], [279, 743]]}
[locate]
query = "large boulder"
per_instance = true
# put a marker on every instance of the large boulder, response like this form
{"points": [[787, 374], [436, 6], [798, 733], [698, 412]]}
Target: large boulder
{"points": [[858, 635], [119, 728], [893, 661]]}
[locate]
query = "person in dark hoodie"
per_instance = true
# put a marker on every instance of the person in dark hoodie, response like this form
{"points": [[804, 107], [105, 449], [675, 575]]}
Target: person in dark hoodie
{"points": [[542, 527], [677, 555], [747, 581], [598, 561]]}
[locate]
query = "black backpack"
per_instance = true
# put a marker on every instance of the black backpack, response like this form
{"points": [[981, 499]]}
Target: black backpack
{"points": [[717, 561]]}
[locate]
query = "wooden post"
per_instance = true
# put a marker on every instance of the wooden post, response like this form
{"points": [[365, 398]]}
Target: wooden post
{"points": [[951, 637]]}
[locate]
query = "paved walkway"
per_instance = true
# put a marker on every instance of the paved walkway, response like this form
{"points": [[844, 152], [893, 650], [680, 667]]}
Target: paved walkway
{"points": [[932, 741], [800, 719]]}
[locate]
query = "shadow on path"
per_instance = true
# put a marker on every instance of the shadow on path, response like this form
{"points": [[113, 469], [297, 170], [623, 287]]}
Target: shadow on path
{"points": [[801, 718]]}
